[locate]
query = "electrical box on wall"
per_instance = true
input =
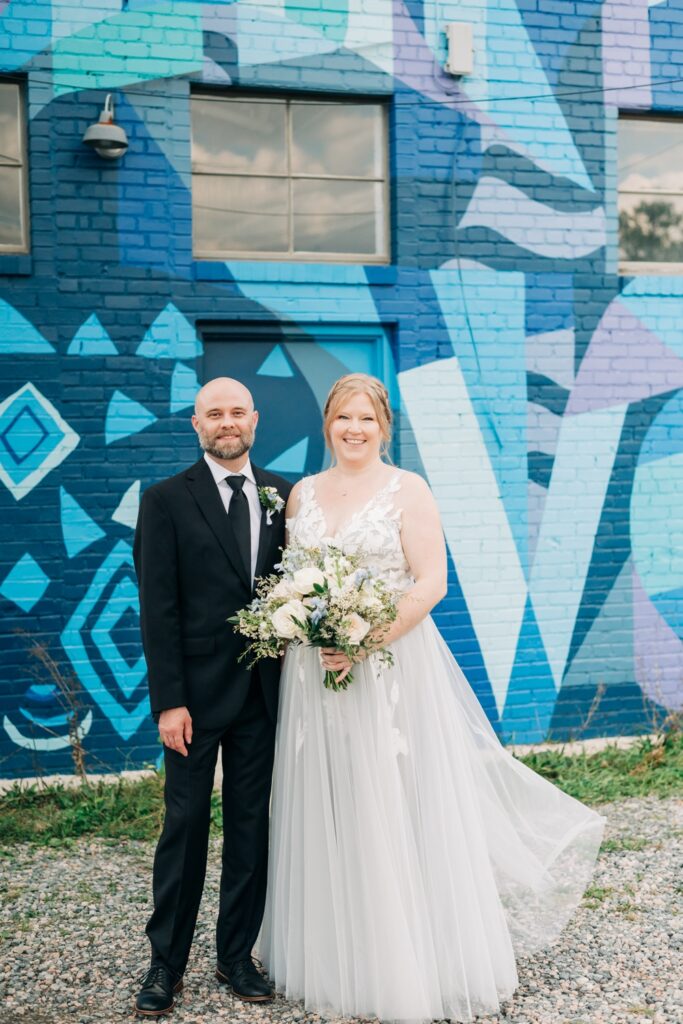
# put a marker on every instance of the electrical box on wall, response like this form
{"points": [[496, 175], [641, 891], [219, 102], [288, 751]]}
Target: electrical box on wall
{"points": [[459, 48]]}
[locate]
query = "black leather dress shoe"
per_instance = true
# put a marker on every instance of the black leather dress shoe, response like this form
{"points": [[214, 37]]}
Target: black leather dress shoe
{"points": [[245, 981], [156, 995]]}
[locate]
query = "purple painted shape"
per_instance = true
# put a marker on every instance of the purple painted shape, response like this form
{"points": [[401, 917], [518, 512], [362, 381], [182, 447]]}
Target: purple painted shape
{"points": [[657, 652], [626, 53], [625, 362]]}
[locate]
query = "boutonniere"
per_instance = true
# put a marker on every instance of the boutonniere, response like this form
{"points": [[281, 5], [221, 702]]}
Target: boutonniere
{"points": [[271, 502]]}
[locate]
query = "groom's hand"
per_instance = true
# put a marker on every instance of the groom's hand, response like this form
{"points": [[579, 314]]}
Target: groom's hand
{"points": [[175, 729]]}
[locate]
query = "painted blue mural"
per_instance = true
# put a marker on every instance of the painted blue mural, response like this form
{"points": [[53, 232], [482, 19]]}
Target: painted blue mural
{"points": [[536, 389]]}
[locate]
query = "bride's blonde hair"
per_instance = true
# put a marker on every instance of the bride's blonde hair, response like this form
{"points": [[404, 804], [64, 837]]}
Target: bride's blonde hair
{"points": [[354, 384]]}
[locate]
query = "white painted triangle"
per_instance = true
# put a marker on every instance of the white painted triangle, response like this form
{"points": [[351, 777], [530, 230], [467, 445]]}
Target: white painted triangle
{"points": [[127, 510]]}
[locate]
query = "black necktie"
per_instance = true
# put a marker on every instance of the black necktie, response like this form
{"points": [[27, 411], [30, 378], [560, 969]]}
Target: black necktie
{"points": [[238, 514]]}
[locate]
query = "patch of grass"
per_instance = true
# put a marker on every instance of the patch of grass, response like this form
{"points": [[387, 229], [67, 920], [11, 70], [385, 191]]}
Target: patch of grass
{"points": [[57, 815], [620, 843], [595, 895], [651, 767]]}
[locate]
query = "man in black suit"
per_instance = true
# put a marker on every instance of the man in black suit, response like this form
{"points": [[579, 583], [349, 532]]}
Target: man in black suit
{"points": [[202, 538]]}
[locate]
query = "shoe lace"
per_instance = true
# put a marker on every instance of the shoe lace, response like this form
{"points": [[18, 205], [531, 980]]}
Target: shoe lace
{"points": [[156, 972]]}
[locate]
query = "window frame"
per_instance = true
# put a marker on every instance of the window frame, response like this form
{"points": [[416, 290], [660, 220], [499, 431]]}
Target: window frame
{"points": [[25, 245], [640, 268], [304, 255]]}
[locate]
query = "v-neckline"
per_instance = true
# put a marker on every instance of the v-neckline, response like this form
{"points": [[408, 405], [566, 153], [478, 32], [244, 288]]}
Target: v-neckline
{"points": [[354, 515]]}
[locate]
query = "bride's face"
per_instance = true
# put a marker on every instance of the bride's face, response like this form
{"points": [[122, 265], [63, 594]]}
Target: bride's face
{"points": [[355, 433]]}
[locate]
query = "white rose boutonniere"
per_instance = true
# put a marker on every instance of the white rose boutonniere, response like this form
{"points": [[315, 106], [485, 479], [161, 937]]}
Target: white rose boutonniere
{"points": [[270, 501]]}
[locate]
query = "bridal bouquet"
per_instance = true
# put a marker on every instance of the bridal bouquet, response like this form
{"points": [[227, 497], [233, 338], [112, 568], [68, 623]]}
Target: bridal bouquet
{"points": [[323, 598]]}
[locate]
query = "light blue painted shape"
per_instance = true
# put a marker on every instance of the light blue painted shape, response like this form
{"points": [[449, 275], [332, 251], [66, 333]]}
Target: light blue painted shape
{"points": [[293, 460], [125, 720], [42, 691], [584, 458], [79, 530], [482, 545], [506, 64], [34, 439], [125, 417], [123, 596], [531, 693], [25, 583], [149, 39], [657, 523], [127, 509], [660, 313], [606, 654], [275, 364], [670, 607], [531, 225], [335, 293], [484, 312], [46, 721], [91, 339], [18, 336], [46, 743], [665, 434], [332, 21], [25, 30], [184, 387], [170, 336]]}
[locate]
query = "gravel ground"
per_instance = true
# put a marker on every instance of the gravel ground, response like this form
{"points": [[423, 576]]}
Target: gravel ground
{"points": [[73, 944]]}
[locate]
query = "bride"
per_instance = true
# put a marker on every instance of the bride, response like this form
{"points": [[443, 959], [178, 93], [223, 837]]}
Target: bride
{"points": [[411, 856]]}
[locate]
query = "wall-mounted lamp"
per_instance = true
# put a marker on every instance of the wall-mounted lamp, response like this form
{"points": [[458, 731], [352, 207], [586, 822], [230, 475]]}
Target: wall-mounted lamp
{"points": [[107, 139], [459, 48]]}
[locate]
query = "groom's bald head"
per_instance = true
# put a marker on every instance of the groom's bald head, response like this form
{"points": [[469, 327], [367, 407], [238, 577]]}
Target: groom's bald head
{"points": [[220, 390], [225, 419]]}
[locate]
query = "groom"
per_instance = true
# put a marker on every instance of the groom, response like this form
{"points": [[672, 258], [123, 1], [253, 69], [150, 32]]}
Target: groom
{"points": [[202, 538]]}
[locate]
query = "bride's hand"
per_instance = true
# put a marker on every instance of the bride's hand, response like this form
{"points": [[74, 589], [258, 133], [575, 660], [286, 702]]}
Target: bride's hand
{"points": [[333, 660]]}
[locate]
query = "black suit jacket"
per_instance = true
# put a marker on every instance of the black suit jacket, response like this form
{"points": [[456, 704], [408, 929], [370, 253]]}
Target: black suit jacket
{"points": [[191, 579]]}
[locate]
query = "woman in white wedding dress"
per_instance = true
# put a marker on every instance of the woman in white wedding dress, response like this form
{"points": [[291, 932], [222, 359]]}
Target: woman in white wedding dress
{"points": [[411, 856]]}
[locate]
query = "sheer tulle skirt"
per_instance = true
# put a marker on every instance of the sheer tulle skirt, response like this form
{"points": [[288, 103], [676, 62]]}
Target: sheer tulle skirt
{"points": [[411, 856]]}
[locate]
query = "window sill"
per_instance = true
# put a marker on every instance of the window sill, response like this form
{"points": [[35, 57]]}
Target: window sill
{"points": [[16, 264], [293, 272]]}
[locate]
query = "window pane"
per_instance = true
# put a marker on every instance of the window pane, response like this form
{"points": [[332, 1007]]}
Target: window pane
{"points": [[231, 135], [337, 139], [10, 146], [651, 156], [240, 214], [337, 216], [10, 207], [651, 228]]}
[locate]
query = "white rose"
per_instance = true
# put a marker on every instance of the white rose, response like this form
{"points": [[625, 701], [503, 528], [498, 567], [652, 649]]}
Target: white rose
{"points": [[306, 579], [283, 589], [370, 603], [356, 628], [283, 620]]}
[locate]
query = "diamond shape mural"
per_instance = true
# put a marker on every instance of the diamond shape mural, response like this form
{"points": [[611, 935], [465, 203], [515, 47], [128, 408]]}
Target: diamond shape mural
{"points": [[113, 677], [25, 584], [34, 439]]}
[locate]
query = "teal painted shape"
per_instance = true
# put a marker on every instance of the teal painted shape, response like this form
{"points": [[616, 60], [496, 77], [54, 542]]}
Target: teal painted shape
{"points": [[670, 607], [293, 460], [150, 39], [25, 584], [79, 530], [125, 417], [506, 64], [311, 294], [531, 693], [184, 387], [170, 336], [657, 523], [91, 339], [484, 311], [18, 336], [25, 30], [606, 654], [331, 19], [665, 434], [275, 365]]}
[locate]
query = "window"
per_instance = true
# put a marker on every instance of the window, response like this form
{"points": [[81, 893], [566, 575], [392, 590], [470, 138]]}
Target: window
{"points": [[289, 179], [651, 194], [13, 204]]}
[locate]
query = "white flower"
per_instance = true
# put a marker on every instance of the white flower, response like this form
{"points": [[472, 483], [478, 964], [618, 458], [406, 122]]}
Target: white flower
{"points": [[283, 620], [356, 628], [370, 603], [305, 580], [283, 589]]}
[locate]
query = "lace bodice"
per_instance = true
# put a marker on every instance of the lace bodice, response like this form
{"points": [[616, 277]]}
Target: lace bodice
{"points": [[372, 532]]}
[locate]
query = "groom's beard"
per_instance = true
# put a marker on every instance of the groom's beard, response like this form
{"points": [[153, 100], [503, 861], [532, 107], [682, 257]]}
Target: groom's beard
{"points": [[226, 447]]}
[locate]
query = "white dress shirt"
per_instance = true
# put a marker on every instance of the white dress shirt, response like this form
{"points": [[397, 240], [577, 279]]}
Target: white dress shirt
{"points": [[220, 475]]}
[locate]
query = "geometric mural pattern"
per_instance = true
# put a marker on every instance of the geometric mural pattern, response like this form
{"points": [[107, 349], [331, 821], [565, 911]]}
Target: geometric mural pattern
{"points": [[538, 392]]}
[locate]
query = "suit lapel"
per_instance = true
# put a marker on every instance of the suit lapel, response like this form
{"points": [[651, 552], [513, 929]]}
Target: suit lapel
{"points": [[204, 491], [266, 533]]}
